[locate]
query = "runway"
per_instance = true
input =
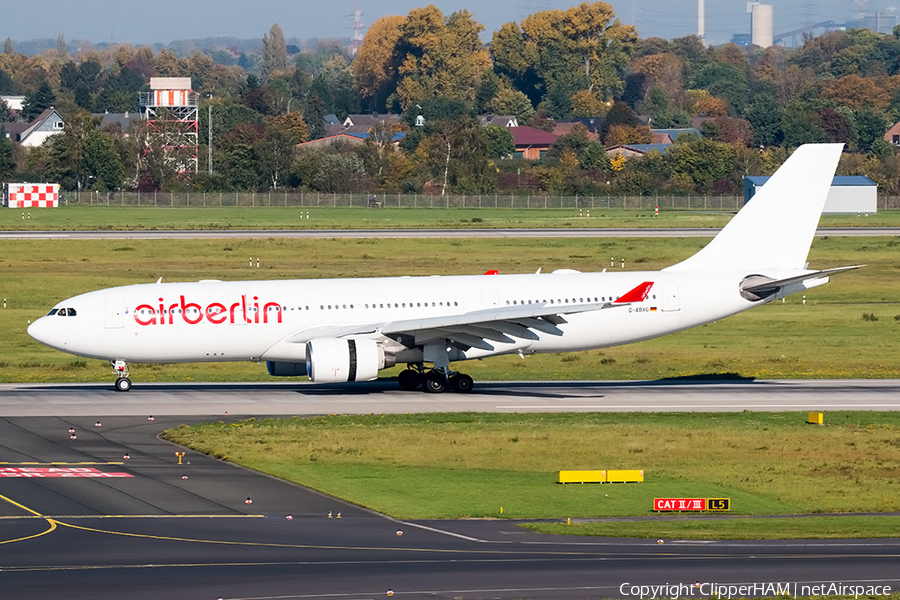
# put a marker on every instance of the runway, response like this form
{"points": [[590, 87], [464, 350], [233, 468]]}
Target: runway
{"points": [[149, 533], [623, 232], [384, 396]]}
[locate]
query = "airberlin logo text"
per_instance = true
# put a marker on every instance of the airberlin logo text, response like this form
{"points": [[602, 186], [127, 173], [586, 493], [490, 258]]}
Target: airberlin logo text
{"points": [[244, 310]]}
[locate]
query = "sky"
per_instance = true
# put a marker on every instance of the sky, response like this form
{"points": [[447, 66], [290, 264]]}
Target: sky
{"points": [[128, 21]]}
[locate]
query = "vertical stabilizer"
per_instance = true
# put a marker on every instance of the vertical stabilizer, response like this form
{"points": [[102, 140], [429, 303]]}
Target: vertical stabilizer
{"points": [[775, 228]]}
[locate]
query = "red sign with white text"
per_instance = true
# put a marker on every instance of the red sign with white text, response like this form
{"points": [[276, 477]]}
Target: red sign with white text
{"points": [[686, 504], [41, 472]]}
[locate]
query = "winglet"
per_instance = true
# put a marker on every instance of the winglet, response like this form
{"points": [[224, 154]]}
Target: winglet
{"points": [[638, 294]]}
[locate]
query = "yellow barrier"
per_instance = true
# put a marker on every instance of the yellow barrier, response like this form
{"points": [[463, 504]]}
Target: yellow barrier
{"points": [[816, 418], [625, 476], [582, 477]]}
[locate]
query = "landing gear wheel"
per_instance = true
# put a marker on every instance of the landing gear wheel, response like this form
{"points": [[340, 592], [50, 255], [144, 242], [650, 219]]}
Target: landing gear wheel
{"points": [[123, 384], [409, 379], [434, 383], [462, 383]]}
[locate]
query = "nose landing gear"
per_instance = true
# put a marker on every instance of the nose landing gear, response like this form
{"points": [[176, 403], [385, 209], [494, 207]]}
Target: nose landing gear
{"points": [[120, 368]]}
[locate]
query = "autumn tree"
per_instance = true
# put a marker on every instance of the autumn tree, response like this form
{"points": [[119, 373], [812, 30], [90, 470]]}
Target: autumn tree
{"points": [[375, 65], [292, 123], [274, 52], [554, 54], [438, 56], [508, 101], [856, 92]]}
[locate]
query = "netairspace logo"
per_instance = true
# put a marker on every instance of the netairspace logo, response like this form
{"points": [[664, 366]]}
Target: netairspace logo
{"points": [[749, 590]]}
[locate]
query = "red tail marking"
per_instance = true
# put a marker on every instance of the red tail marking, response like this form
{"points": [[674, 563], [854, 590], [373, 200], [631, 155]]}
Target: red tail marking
{"points": [[492, 272], [638, 294]]}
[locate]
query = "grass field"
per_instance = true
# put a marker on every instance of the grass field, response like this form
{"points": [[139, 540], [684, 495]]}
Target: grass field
{"points": [[827, 337], [152, 218], [472, 464]]}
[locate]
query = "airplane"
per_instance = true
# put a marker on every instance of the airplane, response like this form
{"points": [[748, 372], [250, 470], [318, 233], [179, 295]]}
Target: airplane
{"points": [[345, 330]]}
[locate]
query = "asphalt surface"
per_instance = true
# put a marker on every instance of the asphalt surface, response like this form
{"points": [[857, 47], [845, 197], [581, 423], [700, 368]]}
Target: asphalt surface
{"points": [[300, 398], [415, 233], [156, 534]]}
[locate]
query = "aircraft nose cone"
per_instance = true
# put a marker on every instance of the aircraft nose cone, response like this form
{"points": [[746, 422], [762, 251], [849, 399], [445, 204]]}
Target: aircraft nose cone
{"points": [[43, 331]]}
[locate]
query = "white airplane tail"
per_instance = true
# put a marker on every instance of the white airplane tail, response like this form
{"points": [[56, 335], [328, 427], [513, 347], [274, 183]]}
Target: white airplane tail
{"points": [[775, 229]]}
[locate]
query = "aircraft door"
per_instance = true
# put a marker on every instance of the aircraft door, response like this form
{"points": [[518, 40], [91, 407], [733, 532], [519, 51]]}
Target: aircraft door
{"points": [[669, 292], [115, 313], [489, 298]]}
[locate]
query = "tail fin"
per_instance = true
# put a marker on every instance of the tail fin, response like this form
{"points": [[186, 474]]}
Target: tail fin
{"points": [[776, 228]]}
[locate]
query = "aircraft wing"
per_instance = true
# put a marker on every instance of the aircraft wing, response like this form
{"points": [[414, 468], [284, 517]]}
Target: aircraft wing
{"points": [[477, 329]]}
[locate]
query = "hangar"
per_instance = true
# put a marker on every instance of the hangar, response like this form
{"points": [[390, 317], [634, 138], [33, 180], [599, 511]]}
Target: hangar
{"points": [[849, 194]]}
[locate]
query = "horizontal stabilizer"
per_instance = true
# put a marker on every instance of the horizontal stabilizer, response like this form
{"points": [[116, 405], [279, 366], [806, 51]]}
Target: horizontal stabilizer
{"points": [[757, 287]]}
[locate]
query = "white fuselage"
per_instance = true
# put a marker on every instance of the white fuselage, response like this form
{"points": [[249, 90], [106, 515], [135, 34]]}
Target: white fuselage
{"points": [[265, 320]]}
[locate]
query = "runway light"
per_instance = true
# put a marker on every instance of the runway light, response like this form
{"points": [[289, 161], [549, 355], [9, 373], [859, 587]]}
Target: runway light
{"points": [[97, 424], [390, 592], [289, 518], [399, 532], [329, 514], [150, 418], [659, 541], [339, 515], [73, 436], [248, 500], [184, 476], [126, 457], [71, 431]]}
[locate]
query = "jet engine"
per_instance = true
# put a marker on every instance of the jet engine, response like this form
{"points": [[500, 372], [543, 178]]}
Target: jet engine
{"points": [[332, 360], [286, 369]]}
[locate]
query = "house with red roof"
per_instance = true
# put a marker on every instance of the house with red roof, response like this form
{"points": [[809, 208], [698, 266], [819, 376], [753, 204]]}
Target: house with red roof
{"points": [[531, 143]]}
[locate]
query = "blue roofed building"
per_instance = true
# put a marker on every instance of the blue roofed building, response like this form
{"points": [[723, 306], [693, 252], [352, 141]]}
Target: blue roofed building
{"points": [[849, 194]]}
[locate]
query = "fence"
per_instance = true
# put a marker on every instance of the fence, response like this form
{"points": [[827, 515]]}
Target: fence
{"points": [[290, 199]]}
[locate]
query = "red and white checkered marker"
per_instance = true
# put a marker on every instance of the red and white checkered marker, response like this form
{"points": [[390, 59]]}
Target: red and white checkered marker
{"points": [[31, 195]]}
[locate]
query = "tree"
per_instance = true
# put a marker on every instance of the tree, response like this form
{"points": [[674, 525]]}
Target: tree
{"points": [[801, 126], [586, 104], [37, 102], [274, 52], [61, 51], [500, 140], [100, 165], [619, 114], [8, 47], [293, 124], [628, 134], [6, 113], [724, 81], [456, 155], [274, 153], [764, 115], [870, 126], [856, 92], [554, 54], [702, 161], [340, 173], [439, 57], [375, 65], [508, 101], [7, 155]]}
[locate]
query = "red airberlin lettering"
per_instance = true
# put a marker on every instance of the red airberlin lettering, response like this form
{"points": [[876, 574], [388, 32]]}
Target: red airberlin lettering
{"points": [[217, 313]]}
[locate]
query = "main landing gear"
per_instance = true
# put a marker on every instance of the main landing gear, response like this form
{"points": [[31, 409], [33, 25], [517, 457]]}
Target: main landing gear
{"points": [[123, 384], [434, 381]]}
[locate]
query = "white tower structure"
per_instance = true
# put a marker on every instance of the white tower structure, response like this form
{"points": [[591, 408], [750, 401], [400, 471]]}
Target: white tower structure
{"points": [[761, 25], [170, 109], [701, 19]]}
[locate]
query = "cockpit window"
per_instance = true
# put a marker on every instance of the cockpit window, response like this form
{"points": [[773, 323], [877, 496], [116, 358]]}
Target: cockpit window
{"points": [[52, 312], [61, 313], [70, 312]]}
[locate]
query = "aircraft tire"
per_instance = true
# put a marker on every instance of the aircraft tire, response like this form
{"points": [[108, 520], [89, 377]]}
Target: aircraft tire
{"points": [[123, 384], [462, 383], [409, 379], [434, 384]]}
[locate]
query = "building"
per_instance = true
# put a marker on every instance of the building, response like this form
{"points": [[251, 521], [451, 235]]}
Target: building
{"points": [[498, 120], [637, 150], [46, 124], [170, 111], [892, 136], [360, 123], [15, 103], [531, 143], [354, 139], [122, 121], [855, 194]]}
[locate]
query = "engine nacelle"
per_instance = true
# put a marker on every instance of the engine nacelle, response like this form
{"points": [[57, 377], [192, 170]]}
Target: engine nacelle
{"points": [[332, 360], [286, 369]]}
